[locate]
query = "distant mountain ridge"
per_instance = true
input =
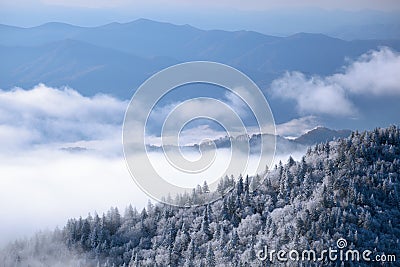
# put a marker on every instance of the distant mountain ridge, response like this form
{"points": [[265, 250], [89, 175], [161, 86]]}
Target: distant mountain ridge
{"points": [[283, 145], [128, 53], [86, 67], [321, 135]]}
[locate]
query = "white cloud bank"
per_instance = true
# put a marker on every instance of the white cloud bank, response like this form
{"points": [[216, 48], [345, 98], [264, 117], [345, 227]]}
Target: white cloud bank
{"points": [[297, 127], [202, 130], [42, 185], [376, 73], [45, 115]]}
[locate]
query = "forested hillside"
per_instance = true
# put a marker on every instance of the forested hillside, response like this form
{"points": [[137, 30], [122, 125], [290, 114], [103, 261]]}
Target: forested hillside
{"points": [[348, 189]]}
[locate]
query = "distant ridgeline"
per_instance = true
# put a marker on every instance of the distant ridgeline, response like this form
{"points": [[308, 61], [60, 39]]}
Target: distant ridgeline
{"points": [[118, 57], [283, 144], [349, 188]]}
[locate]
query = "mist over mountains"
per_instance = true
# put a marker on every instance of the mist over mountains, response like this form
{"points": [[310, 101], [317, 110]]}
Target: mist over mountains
{"points": [[284, 146], [343, 190]]}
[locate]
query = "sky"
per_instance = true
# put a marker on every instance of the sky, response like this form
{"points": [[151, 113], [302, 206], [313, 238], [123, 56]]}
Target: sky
{"points": [[209, 4]]}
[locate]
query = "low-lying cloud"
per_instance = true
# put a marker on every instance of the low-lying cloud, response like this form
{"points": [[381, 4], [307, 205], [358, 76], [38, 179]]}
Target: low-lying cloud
{"points": [[375, 73], [44, 179], [216, 113], [61, 157], [297, 127], [45, 115]]}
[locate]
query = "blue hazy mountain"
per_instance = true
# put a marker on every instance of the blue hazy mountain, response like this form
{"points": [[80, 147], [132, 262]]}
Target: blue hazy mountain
{"points": [[61, 54], [86, 67], [116, 58], [321, 135]]}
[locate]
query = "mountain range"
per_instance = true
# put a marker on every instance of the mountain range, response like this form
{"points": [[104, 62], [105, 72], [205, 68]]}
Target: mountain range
{"points": [[116, 58]]}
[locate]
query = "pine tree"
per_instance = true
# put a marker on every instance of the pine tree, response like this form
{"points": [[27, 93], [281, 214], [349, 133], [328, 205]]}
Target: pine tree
{"points": [[210, 257], [247, 185], [239, 186], [221, 187], [234, 241], [225, 210], [85, 234], [190, 254], [205, 226], [205, 187]]}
